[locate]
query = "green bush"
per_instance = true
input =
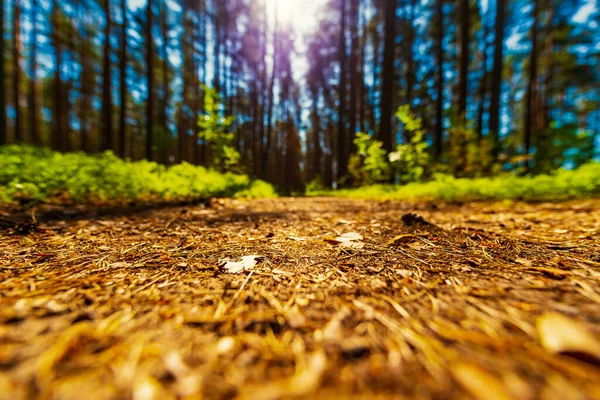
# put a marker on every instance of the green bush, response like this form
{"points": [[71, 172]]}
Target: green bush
{"points": [[214, 129], [41, 174], [410, 159], [562, 184], [368, 165]]}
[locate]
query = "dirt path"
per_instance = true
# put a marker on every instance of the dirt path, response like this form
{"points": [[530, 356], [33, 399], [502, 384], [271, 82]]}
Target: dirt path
{"points": [[441, 304]]}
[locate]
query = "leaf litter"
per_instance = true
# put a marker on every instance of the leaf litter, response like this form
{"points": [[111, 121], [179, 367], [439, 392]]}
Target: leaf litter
{"points": [[482, 300]]}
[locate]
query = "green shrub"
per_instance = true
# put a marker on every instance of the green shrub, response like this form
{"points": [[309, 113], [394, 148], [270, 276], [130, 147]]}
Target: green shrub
{"points": [[41, 174], [559, 185], [214, 129], [410, 159], [368, 165]]}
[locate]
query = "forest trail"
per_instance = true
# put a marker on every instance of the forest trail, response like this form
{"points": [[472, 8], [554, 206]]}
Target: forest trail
{"points": [[427, 300]]}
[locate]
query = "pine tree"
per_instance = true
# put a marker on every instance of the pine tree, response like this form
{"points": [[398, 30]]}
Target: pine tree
{"points": [[387, 86]]}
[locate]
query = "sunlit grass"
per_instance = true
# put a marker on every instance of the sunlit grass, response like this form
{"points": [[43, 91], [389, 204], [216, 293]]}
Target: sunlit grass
{"points": [[561, 185], [44, 175]]}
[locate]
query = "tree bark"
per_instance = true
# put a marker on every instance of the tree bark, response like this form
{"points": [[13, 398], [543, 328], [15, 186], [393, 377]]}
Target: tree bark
{"points": [[19, 134], [387, 86], [463, 80], [107, 126], [164, 123], [410, 68], [123, 82], [3, 135], [439, 103], [271, 100], [58, 126], [531, 99], [33, 91], [342, 159], [484, 79], [150, 83], [496, 90], [355, 81]]}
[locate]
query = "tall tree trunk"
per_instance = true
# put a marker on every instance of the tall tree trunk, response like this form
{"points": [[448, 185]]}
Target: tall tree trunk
{"points": [[19, 133], [164, 123], [217, 51], [58, 117], [107, 111], [387, 87], [549, 56], [531, 99], [84, 80], [197, 153], [439, 103], [263, 85], [271, 100], [362, 92], [3, 135], [354, 74], [186, 67], [150, 83], [33, 90], [410, 59], [484, 78], [496, 90], [123, 82], [342, 159], [463, 80]]}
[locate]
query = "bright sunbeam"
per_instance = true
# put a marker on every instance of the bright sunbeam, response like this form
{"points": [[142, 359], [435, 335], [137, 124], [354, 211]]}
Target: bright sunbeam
{"points": [[301, 15]]}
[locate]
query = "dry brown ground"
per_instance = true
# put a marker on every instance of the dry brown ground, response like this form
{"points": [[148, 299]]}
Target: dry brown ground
{"points": [[137, 307]]}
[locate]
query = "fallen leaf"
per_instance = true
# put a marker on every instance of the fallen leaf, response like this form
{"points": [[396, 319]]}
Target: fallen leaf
{"points": [[348, 237], [479, 383], [561, 335], [350, 240], [246, 263]]}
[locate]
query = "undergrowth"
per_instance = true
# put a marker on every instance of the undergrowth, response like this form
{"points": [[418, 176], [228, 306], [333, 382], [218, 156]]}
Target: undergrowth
{"points": [[560, 185], [43, 175]]}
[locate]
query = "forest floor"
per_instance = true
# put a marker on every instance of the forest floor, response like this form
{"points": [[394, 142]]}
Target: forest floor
{"points": [[428, 300]]}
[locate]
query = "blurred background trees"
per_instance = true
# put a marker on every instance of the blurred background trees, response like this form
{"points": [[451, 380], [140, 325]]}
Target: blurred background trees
{"points": [[496, 85]]}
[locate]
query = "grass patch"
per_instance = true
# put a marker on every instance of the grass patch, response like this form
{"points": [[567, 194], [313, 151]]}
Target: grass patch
{"points": [[44, 175], [560, 185]]}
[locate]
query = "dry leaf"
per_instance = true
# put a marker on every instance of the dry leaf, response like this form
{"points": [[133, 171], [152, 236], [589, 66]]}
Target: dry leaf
{"points": [[350, 240], [561, 335], [479, 383], [246, 263]]}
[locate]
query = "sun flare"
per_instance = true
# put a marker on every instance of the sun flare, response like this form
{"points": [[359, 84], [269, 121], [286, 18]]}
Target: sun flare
{"points": [[301, 15]]}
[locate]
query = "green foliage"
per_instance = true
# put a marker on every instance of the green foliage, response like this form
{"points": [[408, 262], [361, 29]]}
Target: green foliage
{"points": [[214, 129], [410, 160], [560, 185], [315, 186], [467, 155], [45, 175], [564, 145], [368, 165]]}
